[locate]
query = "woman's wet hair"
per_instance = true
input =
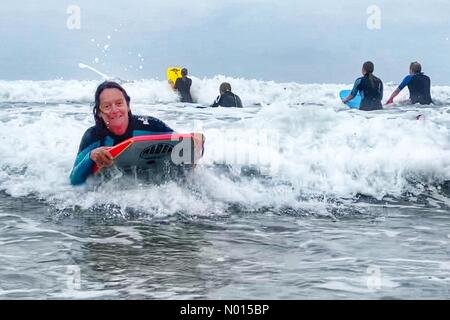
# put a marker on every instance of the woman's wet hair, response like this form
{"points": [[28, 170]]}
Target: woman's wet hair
{"points": [[369, 67], [415, 67], [96, 110], [224, 87]]}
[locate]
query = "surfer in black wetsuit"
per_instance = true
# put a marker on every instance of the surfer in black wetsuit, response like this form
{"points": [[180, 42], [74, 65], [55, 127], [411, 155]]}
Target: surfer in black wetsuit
{"points": [[183, 85], [227, 98], [370, 87], [114, 123], [419, 86]]}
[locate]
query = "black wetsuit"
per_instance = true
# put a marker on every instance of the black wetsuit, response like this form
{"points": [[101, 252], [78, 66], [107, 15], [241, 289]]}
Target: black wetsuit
{"points": [[228, 100], [371, 93], [95, 137], [183, 85], [419, 86]]}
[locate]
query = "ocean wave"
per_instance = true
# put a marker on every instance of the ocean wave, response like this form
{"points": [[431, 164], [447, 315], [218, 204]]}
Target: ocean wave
{"points": [[204, 91], [299, 147]]}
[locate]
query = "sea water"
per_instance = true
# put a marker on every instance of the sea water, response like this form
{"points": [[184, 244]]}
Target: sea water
{"points": [[296, 197]]}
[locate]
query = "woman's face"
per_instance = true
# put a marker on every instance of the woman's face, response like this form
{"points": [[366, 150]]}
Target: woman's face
{"points": [[114, 110]]}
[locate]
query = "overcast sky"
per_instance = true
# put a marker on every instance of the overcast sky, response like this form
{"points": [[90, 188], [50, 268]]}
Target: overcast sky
{"points": [[310, 41]]}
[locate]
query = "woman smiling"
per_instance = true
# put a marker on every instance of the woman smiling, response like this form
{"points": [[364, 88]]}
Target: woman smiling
{"points": [[114, 123]]}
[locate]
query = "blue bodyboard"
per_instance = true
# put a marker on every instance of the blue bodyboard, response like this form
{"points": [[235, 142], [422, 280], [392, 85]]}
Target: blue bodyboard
{"points": [[354, 103]]}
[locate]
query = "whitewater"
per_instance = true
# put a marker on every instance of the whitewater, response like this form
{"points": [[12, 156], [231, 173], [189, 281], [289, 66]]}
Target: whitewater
{"points": [[297, 196]]}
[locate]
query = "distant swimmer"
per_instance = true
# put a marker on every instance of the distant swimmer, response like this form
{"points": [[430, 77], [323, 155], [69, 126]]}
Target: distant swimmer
{"points": [[370, 87], [183, 86], [419, 86], [227, 98]]}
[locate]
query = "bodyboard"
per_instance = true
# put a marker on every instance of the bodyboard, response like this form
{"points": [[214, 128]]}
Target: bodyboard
{"points": [[173, 73], [354, 103], [152, 151]]}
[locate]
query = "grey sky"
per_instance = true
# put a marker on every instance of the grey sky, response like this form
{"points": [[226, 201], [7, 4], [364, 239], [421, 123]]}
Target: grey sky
{"points": [[302, 41]]}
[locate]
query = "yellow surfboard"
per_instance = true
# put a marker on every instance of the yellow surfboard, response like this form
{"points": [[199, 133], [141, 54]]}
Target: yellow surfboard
{"points": [[173, 73]]}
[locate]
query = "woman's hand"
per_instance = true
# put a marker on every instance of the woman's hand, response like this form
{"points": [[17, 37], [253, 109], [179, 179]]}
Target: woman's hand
{"points": [[199, 140], [101, 157], [349, 97]]}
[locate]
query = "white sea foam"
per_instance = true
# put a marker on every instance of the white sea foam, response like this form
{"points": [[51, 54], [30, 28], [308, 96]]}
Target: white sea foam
{"points": [[300, 139], [204, 91]]}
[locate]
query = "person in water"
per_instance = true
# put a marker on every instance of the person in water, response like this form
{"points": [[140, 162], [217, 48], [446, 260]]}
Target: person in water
{"points": [[114, 123], [370, 87], [227, 98], [419, 86], [183, 86]]}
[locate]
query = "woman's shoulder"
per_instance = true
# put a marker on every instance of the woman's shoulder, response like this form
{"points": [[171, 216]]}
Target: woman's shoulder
{"points": [[148, 122], [90, 133], [143, 119], [90, 136], [378, 79]]}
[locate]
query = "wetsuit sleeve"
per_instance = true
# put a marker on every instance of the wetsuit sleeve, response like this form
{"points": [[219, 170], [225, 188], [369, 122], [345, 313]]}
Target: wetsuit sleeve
{"points": [[83, 163], [238, 102], [405, 82], [216, 102], [356, 87], [176, 83]]}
